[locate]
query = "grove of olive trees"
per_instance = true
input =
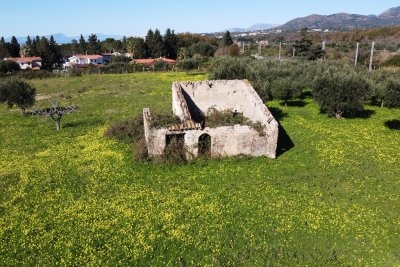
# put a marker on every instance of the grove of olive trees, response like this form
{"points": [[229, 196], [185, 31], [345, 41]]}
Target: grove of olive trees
{"points": [[340, 90]]}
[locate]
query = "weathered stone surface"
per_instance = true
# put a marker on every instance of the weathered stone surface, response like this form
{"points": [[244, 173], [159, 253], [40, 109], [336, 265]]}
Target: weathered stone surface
{"points": [[191, 102]]}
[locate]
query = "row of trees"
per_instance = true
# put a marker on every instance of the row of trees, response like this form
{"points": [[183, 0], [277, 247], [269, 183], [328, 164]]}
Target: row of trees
{"points": [[340, 90], [153, 45], [10, 49], [182, 46]]}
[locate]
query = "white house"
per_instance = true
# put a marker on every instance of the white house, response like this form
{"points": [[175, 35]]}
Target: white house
{"points": [[27, 62], [85, 60]]}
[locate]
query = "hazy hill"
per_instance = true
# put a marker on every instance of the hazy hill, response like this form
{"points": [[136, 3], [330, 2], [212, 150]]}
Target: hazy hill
{"points": [[64, 39], [344, 21], [254, 27], [391, 14]]}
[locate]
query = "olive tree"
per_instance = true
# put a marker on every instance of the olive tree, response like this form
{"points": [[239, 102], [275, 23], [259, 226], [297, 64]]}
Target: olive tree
{"points": [[17, 92], [392, 94], [55, 112], [379, 82], [340, 92], [285, 89]]}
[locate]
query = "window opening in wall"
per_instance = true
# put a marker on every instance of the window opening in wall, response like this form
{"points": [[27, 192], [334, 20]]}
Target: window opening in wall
{"points": [[177, 138]]}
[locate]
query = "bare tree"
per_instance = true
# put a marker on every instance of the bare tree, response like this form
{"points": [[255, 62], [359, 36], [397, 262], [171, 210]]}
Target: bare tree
{"points": [[55, 112]]}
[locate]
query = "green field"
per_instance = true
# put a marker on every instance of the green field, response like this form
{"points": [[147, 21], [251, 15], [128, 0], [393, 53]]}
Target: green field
{"points": [[74, 197]]}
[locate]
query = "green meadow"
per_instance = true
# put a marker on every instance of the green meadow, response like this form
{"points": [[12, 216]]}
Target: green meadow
{"points": [[74, 197]]}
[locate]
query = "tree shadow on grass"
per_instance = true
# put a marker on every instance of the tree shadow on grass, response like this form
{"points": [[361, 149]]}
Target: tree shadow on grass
{"points": [[393, 124], [285, 143], [90, 122], [364, 114], [294, 103]]}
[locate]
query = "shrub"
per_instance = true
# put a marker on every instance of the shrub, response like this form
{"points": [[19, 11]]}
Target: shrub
{"points": [[159, 120], [202, 48], [392, 94], [7, 66], [229, 68], [119, 67], [217, 118], [132, 131], [188, 64], [175, 152], [161, 66], [74, 72], [34, 74], [285, 89], [392, 61], [140, 151], [129, 130]]}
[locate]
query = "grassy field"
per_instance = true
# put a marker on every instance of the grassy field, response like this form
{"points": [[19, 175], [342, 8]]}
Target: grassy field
{"points": [[74, 197]]}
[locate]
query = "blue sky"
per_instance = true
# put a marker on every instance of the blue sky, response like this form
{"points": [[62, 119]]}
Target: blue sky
{"points": [[134, 18]]}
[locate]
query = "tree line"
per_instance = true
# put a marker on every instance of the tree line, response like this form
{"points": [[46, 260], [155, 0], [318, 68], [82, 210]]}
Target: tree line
{"points": [[182, 46]]}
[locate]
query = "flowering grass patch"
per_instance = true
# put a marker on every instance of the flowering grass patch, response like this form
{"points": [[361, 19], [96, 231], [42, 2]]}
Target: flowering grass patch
{"points": [[75, 197]]}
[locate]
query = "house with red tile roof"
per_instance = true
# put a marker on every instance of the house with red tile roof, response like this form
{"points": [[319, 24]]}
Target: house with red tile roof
{"points": [[24, 63]]}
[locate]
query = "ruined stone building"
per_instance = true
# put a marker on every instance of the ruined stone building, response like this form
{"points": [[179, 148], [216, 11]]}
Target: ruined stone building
{"points": [[191, 102]]}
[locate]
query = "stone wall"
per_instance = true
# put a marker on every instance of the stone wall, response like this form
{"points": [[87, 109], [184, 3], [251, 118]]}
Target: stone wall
{"points": [[191, 101]]}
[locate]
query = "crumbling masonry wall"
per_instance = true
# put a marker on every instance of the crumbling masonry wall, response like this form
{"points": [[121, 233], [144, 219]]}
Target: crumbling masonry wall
{"points": [[192, 101]]}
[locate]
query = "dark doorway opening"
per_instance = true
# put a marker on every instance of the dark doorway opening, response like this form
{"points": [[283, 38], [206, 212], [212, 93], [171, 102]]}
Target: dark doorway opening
{"points": [[204, 145], [175, 151]]}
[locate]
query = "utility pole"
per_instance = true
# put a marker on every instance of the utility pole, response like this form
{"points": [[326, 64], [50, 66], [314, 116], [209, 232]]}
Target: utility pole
{"points": [[356, 58], [372, 55]]}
